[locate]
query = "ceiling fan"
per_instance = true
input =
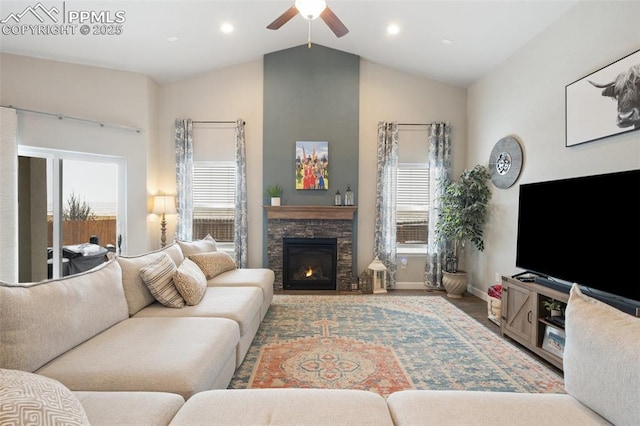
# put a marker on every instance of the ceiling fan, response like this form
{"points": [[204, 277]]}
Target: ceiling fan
{"points": [[310, 10]]}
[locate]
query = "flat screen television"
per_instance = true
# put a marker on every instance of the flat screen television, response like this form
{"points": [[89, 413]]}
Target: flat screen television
{"points": [[583, 230]]}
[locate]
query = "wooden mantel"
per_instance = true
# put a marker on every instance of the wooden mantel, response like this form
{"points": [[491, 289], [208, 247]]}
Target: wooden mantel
{"points": [[310, 212]]}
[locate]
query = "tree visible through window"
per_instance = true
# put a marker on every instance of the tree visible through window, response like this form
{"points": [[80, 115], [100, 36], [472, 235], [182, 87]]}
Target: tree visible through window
{"points": [[412, 214], [214, 184]]}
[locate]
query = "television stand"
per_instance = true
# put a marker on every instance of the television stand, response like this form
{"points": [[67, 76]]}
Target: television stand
{"points": [[524, 318]]}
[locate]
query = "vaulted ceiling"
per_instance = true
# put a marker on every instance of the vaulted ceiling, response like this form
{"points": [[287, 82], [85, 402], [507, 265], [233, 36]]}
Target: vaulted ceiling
{"points": [[174, 40]]}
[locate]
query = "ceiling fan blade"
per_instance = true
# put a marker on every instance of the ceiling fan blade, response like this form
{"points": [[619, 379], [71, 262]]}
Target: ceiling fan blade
{"points": [[283, 19], [336, 25]]}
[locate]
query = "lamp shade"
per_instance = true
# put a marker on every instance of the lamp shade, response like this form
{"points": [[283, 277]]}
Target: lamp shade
{"points": [[164, 204], [310, 9]]}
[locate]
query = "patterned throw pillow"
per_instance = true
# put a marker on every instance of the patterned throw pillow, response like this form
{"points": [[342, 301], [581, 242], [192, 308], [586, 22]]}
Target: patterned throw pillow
{"points": [[158, 277], [30, 399], [214, 263], [190, 282]]}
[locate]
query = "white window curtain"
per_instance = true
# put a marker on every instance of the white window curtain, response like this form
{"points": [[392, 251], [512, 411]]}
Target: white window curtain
{"points": [[385, 244], [439, 146], [184, 178], [240, 220], [9, 195]]}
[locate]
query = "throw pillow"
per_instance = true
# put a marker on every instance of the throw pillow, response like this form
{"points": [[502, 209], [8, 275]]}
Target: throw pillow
{"points": [[190, 282], [27, 398], [601, 358], [205, 245], [158, 277], [214, 263]]}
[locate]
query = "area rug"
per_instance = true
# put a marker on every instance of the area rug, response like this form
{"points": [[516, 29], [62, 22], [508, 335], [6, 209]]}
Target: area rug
{"points": [[385, 344]]}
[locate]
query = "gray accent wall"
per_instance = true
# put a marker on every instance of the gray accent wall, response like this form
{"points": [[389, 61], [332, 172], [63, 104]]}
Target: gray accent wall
{"points": [[311, 94]]}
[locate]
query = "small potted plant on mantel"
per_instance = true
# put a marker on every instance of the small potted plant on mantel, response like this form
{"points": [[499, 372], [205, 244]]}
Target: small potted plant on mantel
{"points": [[465, 205], [275, 192]]}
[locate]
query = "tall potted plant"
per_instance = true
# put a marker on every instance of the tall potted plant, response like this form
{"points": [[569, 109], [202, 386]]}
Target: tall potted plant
{"points": [[465, 204]]}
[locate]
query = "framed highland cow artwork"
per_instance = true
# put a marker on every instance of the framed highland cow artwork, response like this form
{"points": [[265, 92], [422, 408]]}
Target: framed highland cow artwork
{"points": [[605, 102]]}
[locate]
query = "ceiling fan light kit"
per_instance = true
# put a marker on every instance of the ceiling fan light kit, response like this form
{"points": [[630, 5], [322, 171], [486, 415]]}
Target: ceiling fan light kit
{"points": [[310, 10]]}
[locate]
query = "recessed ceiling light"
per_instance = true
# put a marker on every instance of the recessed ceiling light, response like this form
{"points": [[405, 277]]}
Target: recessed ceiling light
{"points": [[393, 29], [446, 41], [226, 28], [172, 39]]}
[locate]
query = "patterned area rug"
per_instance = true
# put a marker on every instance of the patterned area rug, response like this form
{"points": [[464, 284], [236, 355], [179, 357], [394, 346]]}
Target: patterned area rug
{"points": [[384, 344]]}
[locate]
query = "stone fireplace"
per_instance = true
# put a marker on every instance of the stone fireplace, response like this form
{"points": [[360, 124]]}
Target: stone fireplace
{"points": [[318, 226]]}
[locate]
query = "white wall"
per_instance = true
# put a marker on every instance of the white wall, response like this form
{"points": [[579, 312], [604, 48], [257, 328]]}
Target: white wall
{"points": [[100, 94], [225, 94], [524, 97], [390, 95]]}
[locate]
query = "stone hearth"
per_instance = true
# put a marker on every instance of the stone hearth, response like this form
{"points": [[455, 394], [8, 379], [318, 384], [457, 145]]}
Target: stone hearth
{"points": [[311, 222]]}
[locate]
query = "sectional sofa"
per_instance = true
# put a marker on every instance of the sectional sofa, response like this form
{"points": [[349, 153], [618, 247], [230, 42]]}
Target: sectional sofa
{"points": [[96, 348], [104, 330]]}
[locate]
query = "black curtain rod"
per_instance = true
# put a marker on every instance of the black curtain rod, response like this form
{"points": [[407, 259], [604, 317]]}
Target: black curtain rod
{"points": [[215, 122]]}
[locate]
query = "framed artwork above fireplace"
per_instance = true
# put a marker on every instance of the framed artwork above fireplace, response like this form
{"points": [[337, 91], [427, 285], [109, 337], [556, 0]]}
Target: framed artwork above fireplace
{"points": [[312, 165]]}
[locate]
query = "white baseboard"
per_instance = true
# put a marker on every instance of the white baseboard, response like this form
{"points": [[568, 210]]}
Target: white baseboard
{"points": [[410, 286], [477, 292]]}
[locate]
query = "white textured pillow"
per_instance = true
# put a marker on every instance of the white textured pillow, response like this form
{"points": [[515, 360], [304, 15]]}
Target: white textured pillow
{"points": [[30, 399], [205, 245], [601, 358], [214, 263], [190, 282], [158, 277]]}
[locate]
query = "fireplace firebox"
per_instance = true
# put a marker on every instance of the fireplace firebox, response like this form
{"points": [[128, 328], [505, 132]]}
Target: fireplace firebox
{"points": [[309, 263]]}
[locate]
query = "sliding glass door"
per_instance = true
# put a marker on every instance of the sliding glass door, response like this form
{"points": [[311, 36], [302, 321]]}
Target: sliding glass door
{"points": [[71, 211]]}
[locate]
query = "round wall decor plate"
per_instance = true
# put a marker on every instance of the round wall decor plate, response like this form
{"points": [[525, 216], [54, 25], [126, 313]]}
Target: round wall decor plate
{"points": [[505, 162]]}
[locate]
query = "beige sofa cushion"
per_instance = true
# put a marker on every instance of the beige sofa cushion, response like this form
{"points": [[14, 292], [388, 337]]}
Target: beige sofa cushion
{"points": [[30, 399], [243, 277], [174, 355], [455, 408], [136, 292], [158, 277], [602, 358], [130, 408], [205, 245], [190, 282], [35, 321], [238, 304], [214, 263], [284, 407]]}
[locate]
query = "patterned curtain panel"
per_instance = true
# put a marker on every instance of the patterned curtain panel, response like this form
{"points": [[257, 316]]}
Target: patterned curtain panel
{"points": [[439, 171], [386, 199], [184, 178], [9, 195], [241, 226]]}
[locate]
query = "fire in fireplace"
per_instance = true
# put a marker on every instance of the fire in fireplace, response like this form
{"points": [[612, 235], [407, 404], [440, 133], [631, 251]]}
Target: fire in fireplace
{"points": [[309, 263]]}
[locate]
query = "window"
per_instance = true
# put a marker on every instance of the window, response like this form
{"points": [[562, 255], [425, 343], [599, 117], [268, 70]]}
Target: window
{"points": [[412, 214], [214, 190]]}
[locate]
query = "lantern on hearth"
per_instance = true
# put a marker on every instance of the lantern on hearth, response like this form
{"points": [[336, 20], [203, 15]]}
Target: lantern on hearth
{"points": [[379, 272], [365, 282]]}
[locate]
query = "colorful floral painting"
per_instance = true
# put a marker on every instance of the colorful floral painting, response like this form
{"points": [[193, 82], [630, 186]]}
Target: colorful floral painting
{"points": [[312, 165]]}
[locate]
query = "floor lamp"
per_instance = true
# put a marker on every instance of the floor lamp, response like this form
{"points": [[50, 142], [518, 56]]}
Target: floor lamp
{"points": [[164, 204]]}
